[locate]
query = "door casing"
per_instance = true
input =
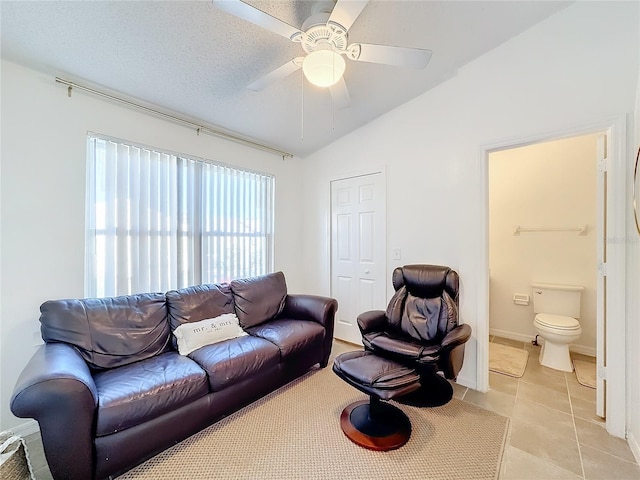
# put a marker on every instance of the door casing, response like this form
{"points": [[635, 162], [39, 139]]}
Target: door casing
{"points": [[614, 372]]}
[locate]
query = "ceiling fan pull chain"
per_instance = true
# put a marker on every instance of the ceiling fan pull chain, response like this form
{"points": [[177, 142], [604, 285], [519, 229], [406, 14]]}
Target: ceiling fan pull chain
{"points": [[333, 103], [302, 109], [333, 114]]}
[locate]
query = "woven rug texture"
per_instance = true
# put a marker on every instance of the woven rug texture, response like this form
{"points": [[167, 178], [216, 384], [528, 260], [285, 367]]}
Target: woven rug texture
{"points": [[507, 360], [14, 459], [294, 434], [585, 373]]}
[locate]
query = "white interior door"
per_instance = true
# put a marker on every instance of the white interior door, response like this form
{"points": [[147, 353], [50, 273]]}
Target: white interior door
{"points": [[601, 285], [358, 246]]}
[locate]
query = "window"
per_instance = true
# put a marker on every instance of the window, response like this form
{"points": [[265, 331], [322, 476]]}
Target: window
{"points": [[158, 221]]}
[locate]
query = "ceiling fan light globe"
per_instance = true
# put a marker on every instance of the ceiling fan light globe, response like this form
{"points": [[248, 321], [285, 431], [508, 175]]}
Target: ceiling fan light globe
{"points": [[323, 68]]}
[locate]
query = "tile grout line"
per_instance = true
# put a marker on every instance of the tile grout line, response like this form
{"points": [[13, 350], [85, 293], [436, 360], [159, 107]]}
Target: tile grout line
{"points": [[573, 421], [507, 443]]}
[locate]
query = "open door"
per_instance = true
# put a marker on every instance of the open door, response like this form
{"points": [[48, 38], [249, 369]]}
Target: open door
{"points": [[601, 283]]}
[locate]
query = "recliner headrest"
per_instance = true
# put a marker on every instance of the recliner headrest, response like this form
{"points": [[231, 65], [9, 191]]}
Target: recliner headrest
{"points": [[427, 281]]}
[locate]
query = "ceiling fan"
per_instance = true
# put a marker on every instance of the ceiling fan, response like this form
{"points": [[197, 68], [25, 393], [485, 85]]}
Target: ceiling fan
{"points": [[324, 37]]}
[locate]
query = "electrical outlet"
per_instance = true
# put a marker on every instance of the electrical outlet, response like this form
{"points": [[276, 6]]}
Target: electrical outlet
{"points": [[396, 254]]}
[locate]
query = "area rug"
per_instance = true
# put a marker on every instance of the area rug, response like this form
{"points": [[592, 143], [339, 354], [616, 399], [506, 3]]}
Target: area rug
{"points": [[585, 373], [507, 360], [294, 434], [14, 458]]}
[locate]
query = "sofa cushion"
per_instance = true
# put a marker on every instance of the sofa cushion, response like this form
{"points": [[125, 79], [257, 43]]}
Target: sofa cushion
{"points": [[194, 335], [109, 332], [193, 304], [135, 393], [259, 299], [233, 361], [291, 336]]}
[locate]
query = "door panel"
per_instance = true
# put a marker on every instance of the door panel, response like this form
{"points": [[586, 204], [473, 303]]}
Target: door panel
{"points": [[367, 245], [344, 238]]}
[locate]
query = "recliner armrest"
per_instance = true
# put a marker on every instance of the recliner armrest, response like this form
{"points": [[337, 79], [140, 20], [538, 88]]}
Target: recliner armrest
{"points": [[56, 388], [372, 321], [457, 336]]}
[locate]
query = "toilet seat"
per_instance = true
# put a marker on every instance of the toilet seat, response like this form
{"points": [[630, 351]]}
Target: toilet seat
{"points": [[557, 322]]}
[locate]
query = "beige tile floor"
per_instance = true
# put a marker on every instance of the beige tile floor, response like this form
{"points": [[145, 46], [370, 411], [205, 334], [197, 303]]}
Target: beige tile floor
{"points": [[553, 434]]}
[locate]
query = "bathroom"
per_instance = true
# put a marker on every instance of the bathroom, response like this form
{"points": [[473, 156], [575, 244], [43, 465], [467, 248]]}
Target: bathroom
{"points": [[542, 229]]}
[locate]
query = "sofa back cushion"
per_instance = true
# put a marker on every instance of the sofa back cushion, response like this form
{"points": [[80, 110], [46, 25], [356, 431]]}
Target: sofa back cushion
{"points": [[109, 332], [199, 302], [259, 299]]}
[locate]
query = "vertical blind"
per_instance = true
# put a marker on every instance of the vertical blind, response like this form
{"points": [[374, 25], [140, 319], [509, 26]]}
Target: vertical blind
{"points": [[158, 221]]}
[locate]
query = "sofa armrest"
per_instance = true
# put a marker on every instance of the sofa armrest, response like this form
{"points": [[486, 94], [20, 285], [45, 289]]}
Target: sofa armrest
{"points": [[372, 321], [310, 307], [315, 308], [56, 388]]}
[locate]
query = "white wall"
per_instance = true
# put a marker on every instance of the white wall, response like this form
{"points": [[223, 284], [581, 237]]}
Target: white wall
{"points": [[633, 279], [42, 198], [550, 184], [575, 68]]}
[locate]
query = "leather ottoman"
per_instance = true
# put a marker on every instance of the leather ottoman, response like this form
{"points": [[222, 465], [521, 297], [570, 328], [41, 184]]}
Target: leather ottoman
{"points": [[374, 424]]}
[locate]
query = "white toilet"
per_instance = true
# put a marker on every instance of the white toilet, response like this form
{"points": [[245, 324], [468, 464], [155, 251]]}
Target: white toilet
{"points": [[557, 309]]}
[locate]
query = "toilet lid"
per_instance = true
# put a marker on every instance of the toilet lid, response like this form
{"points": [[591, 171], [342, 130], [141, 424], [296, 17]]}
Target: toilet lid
{"points": [[557, 321]]}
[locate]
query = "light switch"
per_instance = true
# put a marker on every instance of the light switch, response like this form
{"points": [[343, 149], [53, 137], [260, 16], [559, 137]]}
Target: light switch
{"points": [[396, 254]]}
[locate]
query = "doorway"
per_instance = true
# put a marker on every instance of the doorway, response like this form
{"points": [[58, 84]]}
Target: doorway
{"points": [[611, 356], [544, 228], [358, 246]]}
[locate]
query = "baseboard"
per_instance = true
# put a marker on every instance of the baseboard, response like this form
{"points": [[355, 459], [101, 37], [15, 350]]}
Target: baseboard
{"points": [[466, 381], [588, 351], [511, 335], [582, 349], [26, 428], [635, 447]]}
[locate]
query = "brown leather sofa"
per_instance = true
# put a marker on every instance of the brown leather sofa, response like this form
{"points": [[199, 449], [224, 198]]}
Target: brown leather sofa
{"points": [[109, 389]]}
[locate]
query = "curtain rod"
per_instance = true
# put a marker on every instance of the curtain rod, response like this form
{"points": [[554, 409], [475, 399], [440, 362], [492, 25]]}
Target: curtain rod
{"points": [[199, 128]]}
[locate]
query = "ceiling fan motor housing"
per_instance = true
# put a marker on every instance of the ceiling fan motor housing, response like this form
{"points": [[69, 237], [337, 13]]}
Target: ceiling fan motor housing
{"points": [[320, 35]]}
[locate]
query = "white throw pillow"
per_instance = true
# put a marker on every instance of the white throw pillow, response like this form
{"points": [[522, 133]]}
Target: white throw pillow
{"points": [[194, 335]]}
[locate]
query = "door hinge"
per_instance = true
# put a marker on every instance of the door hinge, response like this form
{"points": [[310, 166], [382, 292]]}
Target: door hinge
{"points": [[602, 269], [602, 372], [603, 165]]}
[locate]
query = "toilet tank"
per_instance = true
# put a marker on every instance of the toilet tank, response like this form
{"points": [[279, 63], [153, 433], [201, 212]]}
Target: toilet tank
{"points": [[557, 299]]}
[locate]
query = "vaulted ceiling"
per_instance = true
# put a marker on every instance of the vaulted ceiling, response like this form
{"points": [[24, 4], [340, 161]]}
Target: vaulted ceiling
{"points": [[195, 59]]}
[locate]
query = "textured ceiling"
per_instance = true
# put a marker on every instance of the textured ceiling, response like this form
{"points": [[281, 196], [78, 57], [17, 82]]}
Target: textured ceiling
{"points": [[192, 58]]}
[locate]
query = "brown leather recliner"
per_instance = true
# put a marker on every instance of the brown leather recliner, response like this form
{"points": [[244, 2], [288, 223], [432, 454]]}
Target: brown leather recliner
{"points": [[420, 327]]}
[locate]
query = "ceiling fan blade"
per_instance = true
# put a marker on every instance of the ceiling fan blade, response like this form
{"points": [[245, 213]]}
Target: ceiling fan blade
{"points": [[257, 17], [398, 56], [340, 95], [346, 12], [278, 74]]}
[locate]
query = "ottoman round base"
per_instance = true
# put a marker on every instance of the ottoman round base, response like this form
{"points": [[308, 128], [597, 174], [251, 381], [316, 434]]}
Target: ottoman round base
{"points": [[375, 425]]}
